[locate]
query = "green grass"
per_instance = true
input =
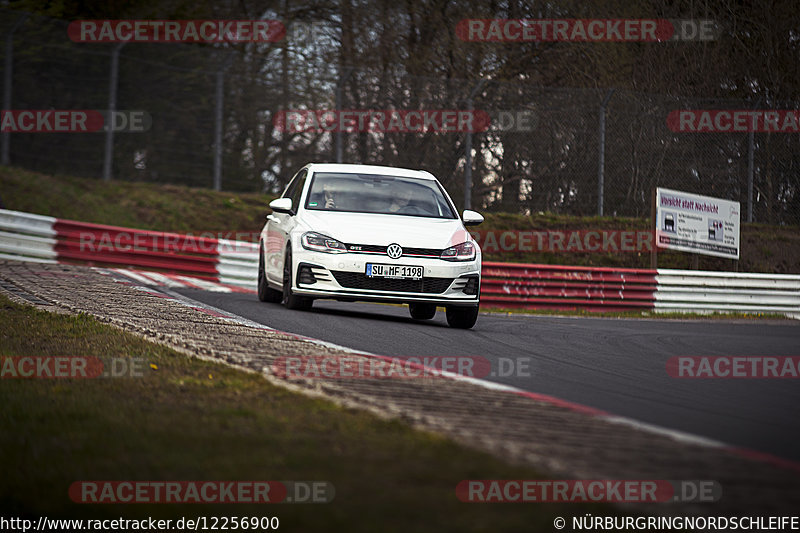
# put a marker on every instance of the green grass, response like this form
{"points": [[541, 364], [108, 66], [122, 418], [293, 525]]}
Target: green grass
{"points": [[134, 205], [193, 420], [763, 248]]}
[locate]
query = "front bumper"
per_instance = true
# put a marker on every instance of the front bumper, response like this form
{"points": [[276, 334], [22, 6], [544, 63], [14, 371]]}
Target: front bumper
{"points": [[343, 277]]}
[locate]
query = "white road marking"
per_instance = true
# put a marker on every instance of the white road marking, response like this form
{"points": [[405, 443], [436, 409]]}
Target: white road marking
{"points": [[203, 284]]}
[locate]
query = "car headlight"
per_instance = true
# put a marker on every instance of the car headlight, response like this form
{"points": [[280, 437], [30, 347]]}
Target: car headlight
{"points": [[318, 242], [461, 252]]}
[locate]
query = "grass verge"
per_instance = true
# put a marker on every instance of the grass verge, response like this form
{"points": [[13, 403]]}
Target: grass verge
{"points": [[133, 205], [188, 419]]}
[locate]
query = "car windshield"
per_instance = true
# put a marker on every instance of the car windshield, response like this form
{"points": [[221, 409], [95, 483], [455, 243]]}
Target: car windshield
{"points": [[374, 193]]}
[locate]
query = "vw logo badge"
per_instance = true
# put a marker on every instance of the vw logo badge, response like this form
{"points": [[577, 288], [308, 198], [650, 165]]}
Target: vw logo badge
{"points": [[394, 251]]}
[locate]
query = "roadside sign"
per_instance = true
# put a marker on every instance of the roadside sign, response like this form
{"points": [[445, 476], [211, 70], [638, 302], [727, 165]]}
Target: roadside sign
{"points": [[698, 224]]}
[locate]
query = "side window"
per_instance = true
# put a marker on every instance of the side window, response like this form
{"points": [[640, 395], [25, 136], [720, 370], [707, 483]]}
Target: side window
{"points": [[295, 188], [287, 192], [295, 195]]}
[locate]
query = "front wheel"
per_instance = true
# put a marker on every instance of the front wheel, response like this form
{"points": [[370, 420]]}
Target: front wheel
{"points": [[265, 292], [290, 300], [461, 317], [421, 311]]}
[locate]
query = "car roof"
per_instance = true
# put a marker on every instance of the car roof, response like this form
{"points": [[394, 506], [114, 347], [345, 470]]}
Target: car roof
{"points": [[369, 169]]}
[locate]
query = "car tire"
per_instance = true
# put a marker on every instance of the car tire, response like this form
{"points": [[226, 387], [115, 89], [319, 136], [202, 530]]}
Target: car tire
{"points": [[422, 311], [265, 292], [292, 301], [462, 317]]}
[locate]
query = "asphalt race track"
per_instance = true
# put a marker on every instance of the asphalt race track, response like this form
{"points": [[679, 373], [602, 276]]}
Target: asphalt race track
{"points": [[616, 365]]}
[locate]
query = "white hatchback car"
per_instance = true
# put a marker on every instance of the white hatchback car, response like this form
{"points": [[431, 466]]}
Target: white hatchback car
{"points": [[370, 233]]}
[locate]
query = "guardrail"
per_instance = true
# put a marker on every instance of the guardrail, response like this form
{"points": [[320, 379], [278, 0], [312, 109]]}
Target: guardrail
{"points": [[531, 286], [699, 291], [29, 237]]}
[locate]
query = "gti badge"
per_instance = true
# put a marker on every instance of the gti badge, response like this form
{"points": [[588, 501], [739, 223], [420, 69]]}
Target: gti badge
{"points": [[394, 251]]}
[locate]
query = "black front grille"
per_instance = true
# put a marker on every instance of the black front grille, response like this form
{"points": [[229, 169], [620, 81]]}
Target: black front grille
{"points": [[374, 249], [366, 248], [422, 251], [357, 280], [305, 275], [472, 285]]}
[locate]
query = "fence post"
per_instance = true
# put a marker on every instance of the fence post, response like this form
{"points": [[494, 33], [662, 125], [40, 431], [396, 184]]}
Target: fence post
{"points": [[751, 147], [108, 157], [654, 228], [8, 85], [468, 151], [601, 156], [339, 84], [218, 119], [750, 170]]}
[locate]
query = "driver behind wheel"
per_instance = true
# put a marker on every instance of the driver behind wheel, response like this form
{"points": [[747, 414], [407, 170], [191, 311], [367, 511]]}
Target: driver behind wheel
{"points": [[329, 196], [401, 199]]}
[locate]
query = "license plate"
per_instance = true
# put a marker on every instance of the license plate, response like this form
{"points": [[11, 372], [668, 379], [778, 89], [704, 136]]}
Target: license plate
{"points": [[394, 271]]}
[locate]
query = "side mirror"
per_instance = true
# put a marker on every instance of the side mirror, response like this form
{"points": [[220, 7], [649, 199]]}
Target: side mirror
{"points": [[471, 218], [283, 205]]}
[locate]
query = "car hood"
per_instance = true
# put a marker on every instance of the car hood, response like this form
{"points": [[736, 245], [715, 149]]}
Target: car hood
{"points": [[383, 230]]}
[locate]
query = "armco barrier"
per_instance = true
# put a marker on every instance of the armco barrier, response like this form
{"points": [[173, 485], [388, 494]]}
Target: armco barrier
{"points": [[513, 285], [698, 291], [30, 237], [26, 236]]}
